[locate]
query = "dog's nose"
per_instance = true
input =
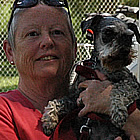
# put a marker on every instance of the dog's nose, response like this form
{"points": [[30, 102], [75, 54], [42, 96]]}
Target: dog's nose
{"points": [[128, 37], [129, 32]]}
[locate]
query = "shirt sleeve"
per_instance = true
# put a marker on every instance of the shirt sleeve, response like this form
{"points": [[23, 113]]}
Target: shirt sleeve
{"points": [[7, 128]]}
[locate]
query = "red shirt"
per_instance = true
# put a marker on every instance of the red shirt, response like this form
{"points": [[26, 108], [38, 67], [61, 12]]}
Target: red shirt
{"points": [[19, 119]]}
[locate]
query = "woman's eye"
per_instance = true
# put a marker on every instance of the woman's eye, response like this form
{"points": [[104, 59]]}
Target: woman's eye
{"points": [[57, 32], [32, 34]]}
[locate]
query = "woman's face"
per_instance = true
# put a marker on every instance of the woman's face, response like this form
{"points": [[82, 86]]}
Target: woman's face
{"points": [[43, 43]]}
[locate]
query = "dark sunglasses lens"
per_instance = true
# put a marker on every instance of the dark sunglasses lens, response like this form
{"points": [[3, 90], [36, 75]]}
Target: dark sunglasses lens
{"points": [[25, 3], [55, 2]]}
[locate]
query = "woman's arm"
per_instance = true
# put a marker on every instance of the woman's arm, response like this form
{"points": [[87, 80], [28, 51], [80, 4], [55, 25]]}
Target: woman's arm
{"points": [[7, 128], [96, 98], [132, 125]]}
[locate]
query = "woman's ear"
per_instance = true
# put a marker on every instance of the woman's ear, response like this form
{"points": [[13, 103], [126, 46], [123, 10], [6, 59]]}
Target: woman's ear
{"points": [[8, 51]]}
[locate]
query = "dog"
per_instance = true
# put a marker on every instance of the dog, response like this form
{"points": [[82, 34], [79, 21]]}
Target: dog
{"points": [[112, 39]]}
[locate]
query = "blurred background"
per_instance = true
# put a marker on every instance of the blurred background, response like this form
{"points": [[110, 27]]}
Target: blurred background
{"points": [[130, 8]]}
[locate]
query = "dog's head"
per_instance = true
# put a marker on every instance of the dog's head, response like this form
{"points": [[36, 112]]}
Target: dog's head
{"points": [[112, 40]]}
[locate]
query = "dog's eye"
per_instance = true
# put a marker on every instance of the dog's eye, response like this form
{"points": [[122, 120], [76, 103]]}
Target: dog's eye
{"points": [[108, 35]]}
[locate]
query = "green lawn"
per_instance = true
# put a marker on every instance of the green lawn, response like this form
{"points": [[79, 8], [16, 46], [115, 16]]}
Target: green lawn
{"points": [[8, 83]]}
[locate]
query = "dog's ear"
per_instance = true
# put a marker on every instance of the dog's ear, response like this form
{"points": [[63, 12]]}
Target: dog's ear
{"points": [[95, 22], [134, 28], [85, 25], [89, 25]]}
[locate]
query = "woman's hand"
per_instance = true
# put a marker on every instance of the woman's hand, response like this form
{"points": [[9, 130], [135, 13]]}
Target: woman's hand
{"points": [[131, 138], [95, 97]]}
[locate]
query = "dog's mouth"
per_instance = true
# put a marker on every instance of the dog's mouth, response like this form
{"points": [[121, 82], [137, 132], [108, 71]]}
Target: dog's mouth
{"points": [[118, 59]]}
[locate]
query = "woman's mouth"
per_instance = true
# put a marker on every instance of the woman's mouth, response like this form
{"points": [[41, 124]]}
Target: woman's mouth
{"points": [[47, 58]]}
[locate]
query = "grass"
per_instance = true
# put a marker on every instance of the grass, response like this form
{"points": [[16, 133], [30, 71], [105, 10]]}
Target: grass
{"points": [[8, 83]]}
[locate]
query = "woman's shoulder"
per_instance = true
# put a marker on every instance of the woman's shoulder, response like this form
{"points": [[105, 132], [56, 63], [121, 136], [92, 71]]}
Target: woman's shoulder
{"points": [[9, 93], [14, 97]]}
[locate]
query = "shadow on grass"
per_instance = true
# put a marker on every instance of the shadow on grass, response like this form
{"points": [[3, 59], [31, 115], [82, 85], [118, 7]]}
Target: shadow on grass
{"points": [[7, 88]]}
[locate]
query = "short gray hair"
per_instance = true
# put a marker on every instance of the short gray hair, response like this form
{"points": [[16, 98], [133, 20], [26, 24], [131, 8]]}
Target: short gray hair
{"points": [[13, 27]]}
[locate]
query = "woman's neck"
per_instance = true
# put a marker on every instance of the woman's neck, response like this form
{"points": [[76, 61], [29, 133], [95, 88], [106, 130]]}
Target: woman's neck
{"points": [[40, 93]]}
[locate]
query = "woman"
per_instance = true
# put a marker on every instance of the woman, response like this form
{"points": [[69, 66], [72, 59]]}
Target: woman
{"points": [[41, 45]]}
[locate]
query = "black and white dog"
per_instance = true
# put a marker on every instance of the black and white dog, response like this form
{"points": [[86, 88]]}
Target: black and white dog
{"points": [[112, 52]]}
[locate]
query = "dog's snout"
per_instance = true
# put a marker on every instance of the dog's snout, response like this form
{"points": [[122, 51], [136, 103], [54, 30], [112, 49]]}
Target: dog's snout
{"points": [[126, 37]]}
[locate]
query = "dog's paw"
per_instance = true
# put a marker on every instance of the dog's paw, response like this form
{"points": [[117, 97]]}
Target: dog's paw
{"points": [[50, 117], [49, 126]]}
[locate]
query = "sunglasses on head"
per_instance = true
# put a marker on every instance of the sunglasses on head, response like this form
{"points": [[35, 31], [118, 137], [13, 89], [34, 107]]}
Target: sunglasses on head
{"points": [[32, 3]]}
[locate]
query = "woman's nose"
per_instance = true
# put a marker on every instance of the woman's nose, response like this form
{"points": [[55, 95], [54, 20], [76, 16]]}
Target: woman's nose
{"points": [[46, 42]]}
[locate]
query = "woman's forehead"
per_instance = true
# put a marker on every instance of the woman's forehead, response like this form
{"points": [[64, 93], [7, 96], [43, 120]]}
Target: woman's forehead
{"points": [[44, 13], [42, 16]]}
